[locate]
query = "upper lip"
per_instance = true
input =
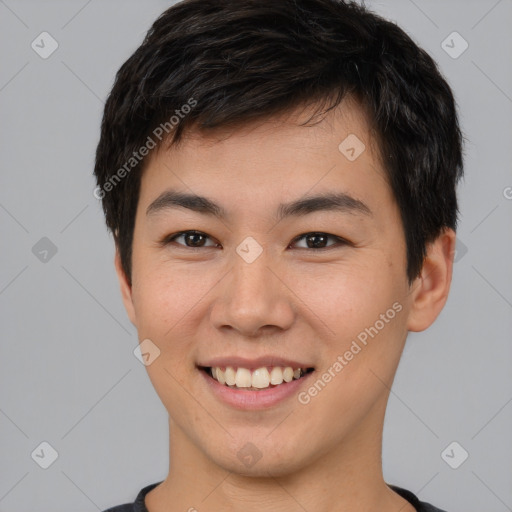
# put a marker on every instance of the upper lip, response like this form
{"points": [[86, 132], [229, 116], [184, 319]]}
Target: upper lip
{"points": [[252, 364]]}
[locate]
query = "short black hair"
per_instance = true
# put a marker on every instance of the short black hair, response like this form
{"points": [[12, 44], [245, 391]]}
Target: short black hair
{"points": [[219, 63]]}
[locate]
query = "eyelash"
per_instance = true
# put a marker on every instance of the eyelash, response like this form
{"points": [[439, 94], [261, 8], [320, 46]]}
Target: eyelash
{"points": [[340, 241]]}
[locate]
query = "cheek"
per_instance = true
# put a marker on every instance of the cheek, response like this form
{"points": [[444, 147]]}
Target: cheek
{"points": [[161, 296], [365, 311], [170, 305], [164, 303], [358, 364], [349, 296]]}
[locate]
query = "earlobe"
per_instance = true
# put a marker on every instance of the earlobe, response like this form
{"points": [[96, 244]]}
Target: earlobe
{"points": [[430, 290], [126, 289]]}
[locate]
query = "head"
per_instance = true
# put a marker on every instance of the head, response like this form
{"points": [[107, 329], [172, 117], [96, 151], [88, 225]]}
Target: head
{"points": [[253, 105]]}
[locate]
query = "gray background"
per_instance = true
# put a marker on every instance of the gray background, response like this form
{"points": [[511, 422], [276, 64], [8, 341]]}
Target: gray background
{"points": [[68, 374]]}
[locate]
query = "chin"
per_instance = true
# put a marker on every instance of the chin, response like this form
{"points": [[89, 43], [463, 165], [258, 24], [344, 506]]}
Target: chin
{"points": [[259, 457]]}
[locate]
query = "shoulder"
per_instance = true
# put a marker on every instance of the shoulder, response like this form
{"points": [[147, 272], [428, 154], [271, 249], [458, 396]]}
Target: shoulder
{"points": [[138, 505], [420, 506]]}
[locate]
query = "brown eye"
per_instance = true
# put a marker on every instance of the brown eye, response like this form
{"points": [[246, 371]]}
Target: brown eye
{"points": [[318, 240], [196, 240], [192, 239]]}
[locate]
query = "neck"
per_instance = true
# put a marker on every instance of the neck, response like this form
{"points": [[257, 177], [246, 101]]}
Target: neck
{"points": [[347, 477]]}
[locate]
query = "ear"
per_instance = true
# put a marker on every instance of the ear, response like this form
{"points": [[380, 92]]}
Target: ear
{"points": [[430, 290], [126, 289]]}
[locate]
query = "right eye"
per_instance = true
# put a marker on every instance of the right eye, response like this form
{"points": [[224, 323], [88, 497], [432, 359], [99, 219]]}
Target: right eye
{"points": [[194, 238]]}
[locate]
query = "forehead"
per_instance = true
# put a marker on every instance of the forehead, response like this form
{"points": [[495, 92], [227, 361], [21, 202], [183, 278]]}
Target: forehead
{"points": [[273, 161], [303, 127]]}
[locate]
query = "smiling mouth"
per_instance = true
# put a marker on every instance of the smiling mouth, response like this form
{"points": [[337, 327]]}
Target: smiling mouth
{"points": [[257, 379]]}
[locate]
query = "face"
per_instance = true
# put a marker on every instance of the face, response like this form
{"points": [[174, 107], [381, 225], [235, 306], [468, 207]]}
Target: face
{"points": [[252, 284]]}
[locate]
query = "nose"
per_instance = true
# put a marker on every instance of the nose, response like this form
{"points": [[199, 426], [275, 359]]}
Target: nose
{"points": [[253, 299]]}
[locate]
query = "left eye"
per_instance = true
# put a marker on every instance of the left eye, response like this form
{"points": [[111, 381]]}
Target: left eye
{"points": [[318, 240], [313, 240]]}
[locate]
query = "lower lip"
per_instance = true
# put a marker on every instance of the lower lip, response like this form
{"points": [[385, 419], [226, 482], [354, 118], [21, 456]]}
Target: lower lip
{"points": [[264, 399]]}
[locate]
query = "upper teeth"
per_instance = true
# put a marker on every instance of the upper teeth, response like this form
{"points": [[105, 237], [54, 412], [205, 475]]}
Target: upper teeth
{"points": [[259, 378]]}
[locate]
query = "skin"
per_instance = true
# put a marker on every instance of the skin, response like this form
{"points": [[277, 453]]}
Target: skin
{"points": [[298, 302]]}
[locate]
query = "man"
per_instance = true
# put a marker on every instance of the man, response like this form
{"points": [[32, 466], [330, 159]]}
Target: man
{"points": [[279, 178]]}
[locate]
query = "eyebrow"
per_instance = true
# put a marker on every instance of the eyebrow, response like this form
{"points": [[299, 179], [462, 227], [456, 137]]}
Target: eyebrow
{"points": [[334, 201]]}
